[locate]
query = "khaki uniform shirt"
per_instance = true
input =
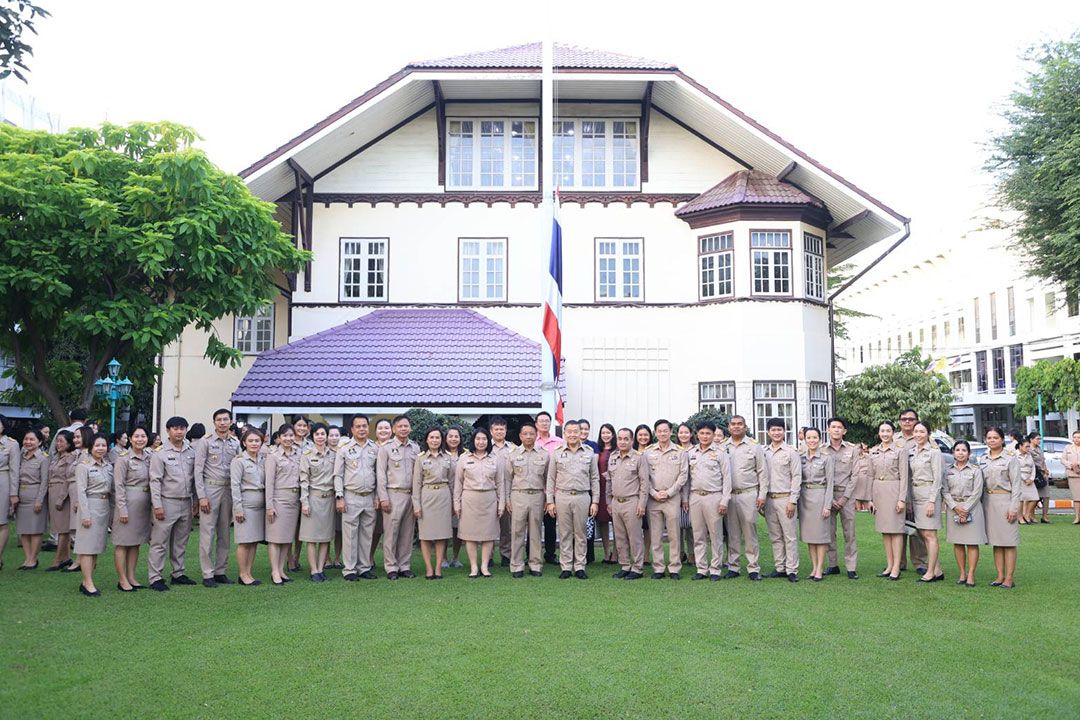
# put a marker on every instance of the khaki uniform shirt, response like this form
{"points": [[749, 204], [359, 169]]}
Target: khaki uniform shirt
{"points": [[61, 472], [1070, 458], [213, 456], [889, 462], [710, 472], [573, 471], [926, 471], [962, 487], [130, 471], [844, 462], [503, 451], [10, 455], [282, 475], [354, 467], [431, 469], [394, 467], [34, 472], [785, 471], [246, 475], [748, 471], [817, 471], [527, 469], [316, 472], [668, 471], [93, 478], [1002, 473], [628, 477], [172, 473], [481, 474]]}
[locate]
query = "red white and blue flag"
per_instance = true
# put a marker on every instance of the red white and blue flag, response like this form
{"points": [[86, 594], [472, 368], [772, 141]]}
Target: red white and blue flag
{"points": [[552, 323]]}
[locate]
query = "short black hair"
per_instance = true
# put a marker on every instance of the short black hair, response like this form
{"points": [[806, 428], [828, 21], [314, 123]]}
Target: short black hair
{"points": [[197, 432], [813, 430], [965, 443], [476, 433], [299, 418], [527, 423], [1033, 434], [661, 421], [79, 414], [95, 438], [706, 425], [497, 420], [319, 426], [284, 428], [583, 421], [353, 418], [69, 438], [840, 420], [399, 418], [775, 422], [36, 433], [545, 413], [736, 417], [174, 422], [568, 423], [889, 423], [219, 411], [434, 428], [916, 413]]}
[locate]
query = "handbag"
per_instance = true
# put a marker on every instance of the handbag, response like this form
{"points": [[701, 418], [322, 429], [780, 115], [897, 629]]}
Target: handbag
{"points": [[1040, 479]]}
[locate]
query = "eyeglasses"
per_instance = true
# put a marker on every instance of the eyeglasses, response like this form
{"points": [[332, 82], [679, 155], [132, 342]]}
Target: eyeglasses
{"points": [[907, 419]]}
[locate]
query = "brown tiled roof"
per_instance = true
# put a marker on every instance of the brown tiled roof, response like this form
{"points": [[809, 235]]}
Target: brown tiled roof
{"points": [[748, 187], [529, 56]]}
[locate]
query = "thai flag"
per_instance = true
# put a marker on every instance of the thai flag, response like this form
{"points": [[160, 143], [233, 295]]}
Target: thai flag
{"points": [[552, 323]]}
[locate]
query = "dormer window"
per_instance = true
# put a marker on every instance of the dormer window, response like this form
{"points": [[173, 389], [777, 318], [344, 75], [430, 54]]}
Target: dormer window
{"points": [[491, 153], [594, 154]]}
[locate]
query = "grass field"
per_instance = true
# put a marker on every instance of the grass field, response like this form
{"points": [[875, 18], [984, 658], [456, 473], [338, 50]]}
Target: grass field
{"points": [[544, 647]]}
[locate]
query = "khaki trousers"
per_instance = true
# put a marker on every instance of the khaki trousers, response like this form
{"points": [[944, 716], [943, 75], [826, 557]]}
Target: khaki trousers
{"points": [[629, 537], [525, 521], [399, 528], [918, 552], [742, 531], [215, 522], [851, 548], [708, 529], [357, 529], [169, 535], [506, 534], [661, 515], [783, 535], [571, 512]]}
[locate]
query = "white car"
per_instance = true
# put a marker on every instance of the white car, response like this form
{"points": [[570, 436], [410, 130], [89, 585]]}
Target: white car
{"points": [[1052, 448]]}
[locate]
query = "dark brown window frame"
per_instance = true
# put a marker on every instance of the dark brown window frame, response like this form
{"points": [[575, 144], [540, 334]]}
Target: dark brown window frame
{"points": [[697, 270], [791, 261]]}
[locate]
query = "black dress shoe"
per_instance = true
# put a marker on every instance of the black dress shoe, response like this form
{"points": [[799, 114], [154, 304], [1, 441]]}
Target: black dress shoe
{"points": [[580, 575], [182, 580], [253, 583], [893, 578], [352, 577], [852, 575], [550, 560], [792, 577], [485, 574], [505, 562], [715, 578], [536, 573], [924, 580], [633, 576], [938, 578], [429, 577], [368, 575], [48, 546], [32, 567], [87, 593], [730, 574], [54, 568], [316, 577], [754, 576], [286, 579], [698, 576], [835, 570], [996, 583], [407, 574], [295, 568], [159, 586], [621, 574], [517, 574], [814, 578], [277, 582], [121, 588], [920, 570], [222, 580], [675, 576], [391, 576], [565, 574], [473, 577], [883, 574], [776, 574], [658, 576], [207, 582]]}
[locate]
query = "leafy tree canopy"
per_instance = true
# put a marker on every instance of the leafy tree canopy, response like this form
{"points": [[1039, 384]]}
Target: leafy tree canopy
{"points": [[16, 19], [1057, 381]]}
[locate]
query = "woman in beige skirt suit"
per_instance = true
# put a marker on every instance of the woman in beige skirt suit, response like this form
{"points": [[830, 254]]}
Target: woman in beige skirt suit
{"points": [[926, 470], [61, 470], [94, 483], [317, 500], [815, 501], [453, 447], [384, 431], [1029, 494], [888, 496], [248, 483], [131, 516], [1001, 505], [9, 482], [282, 501], [1070, 458], [333, 437], [84, 437], [30, 513], [478, 501], [962, 491], [432, 499]]}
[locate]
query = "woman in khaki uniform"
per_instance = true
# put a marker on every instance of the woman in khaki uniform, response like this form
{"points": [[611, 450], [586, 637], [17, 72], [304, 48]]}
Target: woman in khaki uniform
{"points": [[1029, 494], [131, 516], [29, 496], [453, 447], [333, 437], [248, 481], [815, 501], [966, 529], [383, 432], [9, 483], [1070, 458], [927, 469], [84, 437], [1001, 505], [1043, 472], [317, 500], [94, 488], [432, 499], [888, 496], [479, 502], [282, 501], [61, 470]]}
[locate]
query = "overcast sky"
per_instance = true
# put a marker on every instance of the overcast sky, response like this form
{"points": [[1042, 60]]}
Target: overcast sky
{"points": [[900, 98]]}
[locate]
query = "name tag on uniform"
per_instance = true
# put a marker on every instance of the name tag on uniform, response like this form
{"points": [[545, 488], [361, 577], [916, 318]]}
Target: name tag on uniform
{"points": [[426, 464], [353, 463], [315, 461], [215, 458]]}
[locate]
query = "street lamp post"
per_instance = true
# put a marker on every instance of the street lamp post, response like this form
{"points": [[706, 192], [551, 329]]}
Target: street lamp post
{"points": [[113, 389]]}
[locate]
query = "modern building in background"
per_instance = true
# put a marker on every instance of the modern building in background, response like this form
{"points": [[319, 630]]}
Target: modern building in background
{"points": [[696, 244], [971, 306]]}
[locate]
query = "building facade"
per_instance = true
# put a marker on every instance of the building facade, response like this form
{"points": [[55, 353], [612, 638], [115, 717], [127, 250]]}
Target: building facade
{"points": [[696, 243]]}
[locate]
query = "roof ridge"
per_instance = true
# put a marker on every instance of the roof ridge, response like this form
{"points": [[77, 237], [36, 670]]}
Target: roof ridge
{"points": [[741, 181]]}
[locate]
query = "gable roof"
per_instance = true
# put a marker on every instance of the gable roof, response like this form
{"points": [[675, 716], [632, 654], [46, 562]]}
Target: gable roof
{"points": [[529, 56], [748, 187]]}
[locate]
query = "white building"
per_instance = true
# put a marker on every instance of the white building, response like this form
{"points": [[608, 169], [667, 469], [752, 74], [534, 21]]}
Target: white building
{"points": [[696, 241], [970, 305]]}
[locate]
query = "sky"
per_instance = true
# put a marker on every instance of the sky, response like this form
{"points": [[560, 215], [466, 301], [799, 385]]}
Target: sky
{"points": [[899, 98]]}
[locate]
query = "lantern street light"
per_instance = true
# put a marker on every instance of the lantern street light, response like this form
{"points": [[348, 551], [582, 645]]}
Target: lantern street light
{"points": [[113, 389]]}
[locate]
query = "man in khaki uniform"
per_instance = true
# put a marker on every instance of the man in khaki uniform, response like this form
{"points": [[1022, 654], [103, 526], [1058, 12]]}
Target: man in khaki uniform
{"points": [[749, 483], [172, 477], [845, 459], [213, 457], [500, 448], [528, 465], [627, 499], [354, 488], [393, 473], [710, 490], [573, 478], [904, 441], [668, 470], [782, 501]]}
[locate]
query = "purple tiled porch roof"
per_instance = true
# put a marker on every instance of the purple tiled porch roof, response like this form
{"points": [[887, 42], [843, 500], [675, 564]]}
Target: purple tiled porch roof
{"points": [[435, 357], [748, 187], [529, 56]]}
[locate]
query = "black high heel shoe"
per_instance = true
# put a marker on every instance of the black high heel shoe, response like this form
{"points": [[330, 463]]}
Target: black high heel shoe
{"points": [[87, 593], [121, 588]]}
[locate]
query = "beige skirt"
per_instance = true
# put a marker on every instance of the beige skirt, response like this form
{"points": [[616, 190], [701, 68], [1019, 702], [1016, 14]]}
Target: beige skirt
{"points": [[319, 526], [436, 514], [1074, 488], [92, 540], [1029, 493], [253, 529], [5, 479], [60, 520], [972, 532], [886, 493], [136, 531], [283, 530], [28, 522], [479, 520], [919, 507], [999, 531], [813, 529], [73, 494]]}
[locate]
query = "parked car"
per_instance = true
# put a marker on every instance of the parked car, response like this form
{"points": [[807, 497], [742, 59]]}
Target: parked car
{"points": [[1052, 449]]}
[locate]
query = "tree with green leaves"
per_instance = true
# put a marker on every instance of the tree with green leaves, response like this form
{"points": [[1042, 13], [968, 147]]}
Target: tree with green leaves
{"points": [[881, 392], [1057, 381], [718, 416], [422, 420], [17, 19], [1037, 162], [116, 239]]}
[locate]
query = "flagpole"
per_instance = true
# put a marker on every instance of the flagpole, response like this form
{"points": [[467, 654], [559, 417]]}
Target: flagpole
{"points": [[549, 387]]}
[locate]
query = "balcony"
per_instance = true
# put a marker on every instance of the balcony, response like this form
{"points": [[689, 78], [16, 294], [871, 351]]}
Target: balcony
{"points": [[967, 394]]}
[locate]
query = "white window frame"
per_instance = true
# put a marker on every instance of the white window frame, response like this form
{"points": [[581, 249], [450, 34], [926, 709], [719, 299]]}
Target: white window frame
{"points": [[365, 256], [819, 405], [716, 253], [508, 148], [775, 398], [814, 259], [610, 152], [246, 330], [621, 268], [719, 394], [487, 262], [773, 246]]}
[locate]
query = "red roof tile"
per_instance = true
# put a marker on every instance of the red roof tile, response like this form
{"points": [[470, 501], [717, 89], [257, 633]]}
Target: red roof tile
{"points": [[529, 56], [748, 187]]}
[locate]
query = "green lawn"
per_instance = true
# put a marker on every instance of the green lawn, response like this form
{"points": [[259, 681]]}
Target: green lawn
{"points": [[544, 647]]}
